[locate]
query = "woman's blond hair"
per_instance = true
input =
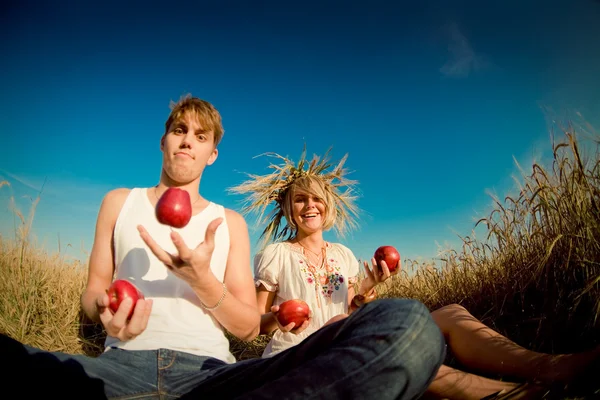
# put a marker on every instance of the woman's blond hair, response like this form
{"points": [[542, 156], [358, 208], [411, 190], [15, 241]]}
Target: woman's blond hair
{"points": [[277, 189]]}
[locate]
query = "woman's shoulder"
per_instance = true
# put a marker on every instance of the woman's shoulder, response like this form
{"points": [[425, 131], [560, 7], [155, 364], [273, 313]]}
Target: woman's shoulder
{"points": [[273, 254], [275, 248], [341, 248]]}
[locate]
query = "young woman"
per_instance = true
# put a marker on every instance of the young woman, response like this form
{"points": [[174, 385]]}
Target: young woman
{"points": [[301, 264]]}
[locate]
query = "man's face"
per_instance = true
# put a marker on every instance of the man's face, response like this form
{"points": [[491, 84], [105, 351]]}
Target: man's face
{"points": [[187, 149]]}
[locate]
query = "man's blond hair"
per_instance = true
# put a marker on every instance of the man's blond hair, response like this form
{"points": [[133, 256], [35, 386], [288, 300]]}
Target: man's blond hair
{"points": [[208, 116]]}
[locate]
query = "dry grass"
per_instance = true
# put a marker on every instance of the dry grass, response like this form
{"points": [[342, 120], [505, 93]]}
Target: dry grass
{"points": [[534, 277], [39, 294]]}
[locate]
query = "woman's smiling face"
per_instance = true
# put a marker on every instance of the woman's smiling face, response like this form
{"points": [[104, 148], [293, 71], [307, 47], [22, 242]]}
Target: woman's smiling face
{"points": [[308, 211]]}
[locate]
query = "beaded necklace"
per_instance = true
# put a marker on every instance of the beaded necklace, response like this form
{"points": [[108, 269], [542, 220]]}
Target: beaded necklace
{"points": [[317, 267]]}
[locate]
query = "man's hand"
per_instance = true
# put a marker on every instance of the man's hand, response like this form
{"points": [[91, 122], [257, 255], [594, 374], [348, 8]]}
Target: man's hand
{"points": [[189, 265], [117, 325]]}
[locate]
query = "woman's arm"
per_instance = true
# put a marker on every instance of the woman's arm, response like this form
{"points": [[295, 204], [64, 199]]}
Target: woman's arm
{"points": [[264, 298]]}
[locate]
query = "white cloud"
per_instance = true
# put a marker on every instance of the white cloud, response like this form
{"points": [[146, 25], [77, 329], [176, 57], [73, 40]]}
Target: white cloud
{"points": [[463, 58]]}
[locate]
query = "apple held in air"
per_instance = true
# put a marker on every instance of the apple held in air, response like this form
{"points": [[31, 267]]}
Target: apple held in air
{"points": [[296, 311], [390, 255], [120, 290], [174, 208]]}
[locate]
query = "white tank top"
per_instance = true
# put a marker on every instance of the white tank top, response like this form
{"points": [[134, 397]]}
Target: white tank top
{"points": [[177, 322]]}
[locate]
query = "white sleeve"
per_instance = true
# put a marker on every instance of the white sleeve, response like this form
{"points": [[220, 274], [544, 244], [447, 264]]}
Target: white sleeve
{"points": [[267, 266]]}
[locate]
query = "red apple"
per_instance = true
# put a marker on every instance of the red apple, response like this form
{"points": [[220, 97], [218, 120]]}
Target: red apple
{"points": [[174, 208], [388, 254], [296, 311], [120, 290]]}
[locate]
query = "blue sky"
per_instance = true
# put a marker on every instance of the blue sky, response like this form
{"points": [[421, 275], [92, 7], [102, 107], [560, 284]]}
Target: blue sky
{"points": [[431, 101]]}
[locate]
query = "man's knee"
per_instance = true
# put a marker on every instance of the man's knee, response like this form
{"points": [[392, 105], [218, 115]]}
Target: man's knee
{"points": [[418, 346], [403, 316]]}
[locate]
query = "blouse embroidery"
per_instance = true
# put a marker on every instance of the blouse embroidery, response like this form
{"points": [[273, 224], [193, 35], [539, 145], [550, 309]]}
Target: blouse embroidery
{"points": [[326, 277], [284, 264]]}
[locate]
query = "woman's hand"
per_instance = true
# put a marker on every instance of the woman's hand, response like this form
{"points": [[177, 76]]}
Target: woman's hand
{"points": [[375, 275], [291, 326]]}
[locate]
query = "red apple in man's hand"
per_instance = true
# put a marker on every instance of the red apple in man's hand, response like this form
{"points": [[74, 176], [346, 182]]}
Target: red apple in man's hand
{"points": [[120, 290], [390, 255], [174, 208], [296, 311]]}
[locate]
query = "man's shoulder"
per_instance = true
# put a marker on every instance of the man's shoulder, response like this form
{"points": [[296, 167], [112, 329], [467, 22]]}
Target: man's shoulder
{"points": [[234, 217], [118, 192], [116, 196], [112, 203]]}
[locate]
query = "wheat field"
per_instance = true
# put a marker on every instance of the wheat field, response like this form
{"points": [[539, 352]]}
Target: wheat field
{"points": [[533, 277]]}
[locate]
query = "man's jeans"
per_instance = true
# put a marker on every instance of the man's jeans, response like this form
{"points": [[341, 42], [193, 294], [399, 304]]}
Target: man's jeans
{"points": [[388, 349]]}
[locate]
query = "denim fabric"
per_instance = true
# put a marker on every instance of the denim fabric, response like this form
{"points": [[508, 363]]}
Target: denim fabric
{"points": [[148, 374], [388, 349]]}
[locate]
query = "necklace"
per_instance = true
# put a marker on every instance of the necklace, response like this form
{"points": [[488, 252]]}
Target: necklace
{"points": [[158, 198], [317, 268], [318, 254], [316, 260]]}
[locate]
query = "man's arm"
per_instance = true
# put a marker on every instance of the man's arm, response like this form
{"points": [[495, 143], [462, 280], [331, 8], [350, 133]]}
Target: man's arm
{"points": [[101, 264], [240, 315], [94, 299]]}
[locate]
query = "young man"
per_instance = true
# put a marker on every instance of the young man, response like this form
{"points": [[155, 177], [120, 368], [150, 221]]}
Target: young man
{"points": [[197, 281]]}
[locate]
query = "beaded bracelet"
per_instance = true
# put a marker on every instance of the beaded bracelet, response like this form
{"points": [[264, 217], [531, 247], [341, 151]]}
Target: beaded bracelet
{"points": [[218, 303], [359, 299]]}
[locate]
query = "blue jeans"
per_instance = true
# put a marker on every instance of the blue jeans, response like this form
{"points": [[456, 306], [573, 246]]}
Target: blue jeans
{"points": [[388, 349]]}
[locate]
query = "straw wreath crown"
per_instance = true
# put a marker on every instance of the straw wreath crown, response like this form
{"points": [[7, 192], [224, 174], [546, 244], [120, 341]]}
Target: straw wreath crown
{"points": [[262, 191]]}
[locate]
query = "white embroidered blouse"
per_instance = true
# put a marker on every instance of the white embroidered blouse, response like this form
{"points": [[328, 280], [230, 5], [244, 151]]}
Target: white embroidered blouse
{"points": [[283, 268]]}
